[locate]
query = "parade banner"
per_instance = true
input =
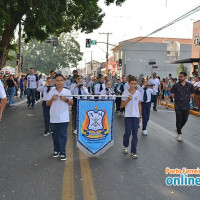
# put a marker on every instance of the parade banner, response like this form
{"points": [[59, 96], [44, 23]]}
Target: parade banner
{"points": [[95, 126]]}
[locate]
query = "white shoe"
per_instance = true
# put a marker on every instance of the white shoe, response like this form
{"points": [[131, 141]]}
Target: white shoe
{"points": [[144, 132], [125, 150], [75, 132], [180, 138]]}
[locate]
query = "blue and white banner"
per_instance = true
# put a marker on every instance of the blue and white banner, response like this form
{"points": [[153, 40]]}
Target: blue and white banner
{"points": [[94, 125]]}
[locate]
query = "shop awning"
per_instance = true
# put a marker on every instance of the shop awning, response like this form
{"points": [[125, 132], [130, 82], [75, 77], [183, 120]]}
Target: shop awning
{"points": [[188, 60]]}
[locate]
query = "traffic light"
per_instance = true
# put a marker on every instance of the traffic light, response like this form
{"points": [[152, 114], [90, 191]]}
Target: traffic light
{"points": [[120, 62], [18, 56], [88, 43], [55, 42], [21, 62]]}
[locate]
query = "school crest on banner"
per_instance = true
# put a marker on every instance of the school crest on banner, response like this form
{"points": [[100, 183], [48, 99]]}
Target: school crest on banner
{"points": [[95, 125]]}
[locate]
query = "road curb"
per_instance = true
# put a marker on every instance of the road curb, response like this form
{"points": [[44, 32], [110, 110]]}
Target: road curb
{"points": [[172, 106]]}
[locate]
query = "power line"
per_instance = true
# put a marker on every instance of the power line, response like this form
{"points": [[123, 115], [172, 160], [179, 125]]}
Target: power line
{"points": [[167, 25], [101, 48]]}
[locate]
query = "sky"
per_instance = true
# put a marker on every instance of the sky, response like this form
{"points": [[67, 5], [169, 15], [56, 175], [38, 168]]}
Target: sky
{"points": [[138, 18]]}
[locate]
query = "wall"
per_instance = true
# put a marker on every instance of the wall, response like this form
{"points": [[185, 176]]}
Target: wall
{"points": [[136, 58]]}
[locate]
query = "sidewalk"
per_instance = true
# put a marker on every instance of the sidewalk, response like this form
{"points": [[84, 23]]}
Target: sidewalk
{"points": [[172, 106]]}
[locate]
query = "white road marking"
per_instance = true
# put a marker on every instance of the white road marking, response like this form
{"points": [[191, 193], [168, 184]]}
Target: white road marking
{"points": [[193, 146], [166, 111]]}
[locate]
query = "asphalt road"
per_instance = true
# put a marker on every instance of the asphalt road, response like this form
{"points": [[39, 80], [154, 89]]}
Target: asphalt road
{"points": [[28, 172]]}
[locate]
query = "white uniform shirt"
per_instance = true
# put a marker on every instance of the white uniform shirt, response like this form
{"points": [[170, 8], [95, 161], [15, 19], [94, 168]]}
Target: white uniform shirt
{"points": [[72, 86], [156, 82], [97, 88], [196, 84], [84, 91], [2, 91], [67, 83], [132, 108], [32, 81], [104, 92], [126, 87], [90, 83], [59, 110], [44, 89], [149, 93], [40, 82]]}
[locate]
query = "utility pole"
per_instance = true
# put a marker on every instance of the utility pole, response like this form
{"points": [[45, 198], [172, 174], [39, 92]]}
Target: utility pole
{"points": [[19, 50], [107, 46], [91, 65]]}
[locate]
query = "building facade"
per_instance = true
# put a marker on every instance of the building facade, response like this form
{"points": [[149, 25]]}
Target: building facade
{"points": [[196, 46], [138, 53]]}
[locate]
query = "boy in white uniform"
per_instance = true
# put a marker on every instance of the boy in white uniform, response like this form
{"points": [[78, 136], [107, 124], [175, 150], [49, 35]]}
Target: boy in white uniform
{"points": [[100, 86], [3, 100], [59, 115], [133, 115], [108, 91], [45, 89], [79, 89], [146, 91]]}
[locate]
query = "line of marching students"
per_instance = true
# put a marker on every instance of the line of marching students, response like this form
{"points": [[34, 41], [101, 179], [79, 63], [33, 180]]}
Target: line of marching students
{"points": [[134, 104]]}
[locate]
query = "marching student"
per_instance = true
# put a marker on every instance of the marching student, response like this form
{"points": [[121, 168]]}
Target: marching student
{"points": [[71, 88], [100, 86], [67, 82], [91, 85], [118, 99], [45, 89], [59, 116], [79, 89], [155, 81], [146, 92], [123, 87], [108, 91], [133, 116]]}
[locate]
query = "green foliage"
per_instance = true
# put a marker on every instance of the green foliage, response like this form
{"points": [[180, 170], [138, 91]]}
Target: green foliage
{"points": [[182, 68], [44, 57], [43, 18]]}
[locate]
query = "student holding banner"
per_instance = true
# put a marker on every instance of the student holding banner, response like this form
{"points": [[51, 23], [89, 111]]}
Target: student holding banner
{"points": [[59, 116], [79, 89], [133, 116]]}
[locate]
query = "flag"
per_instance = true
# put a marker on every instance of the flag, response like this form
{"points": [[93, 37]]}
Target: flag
{"points": [[95, 126]]}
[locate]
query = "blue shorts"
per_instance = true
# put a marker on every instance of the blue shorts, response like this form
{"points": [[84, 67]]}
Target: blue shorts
{"points": [[167, 93]]}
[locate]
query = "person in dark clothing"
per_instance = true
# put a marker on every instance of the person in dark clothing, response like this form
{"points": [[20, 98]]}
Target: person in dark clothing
{"points": [[118, 99], [11, 84], [182, 92]]}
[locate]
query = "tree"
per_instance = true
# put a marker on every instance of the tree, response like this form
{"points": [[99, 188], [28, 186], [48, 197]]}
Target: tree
{"points": [[44, 57], [47, 17], [182, 68]]}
